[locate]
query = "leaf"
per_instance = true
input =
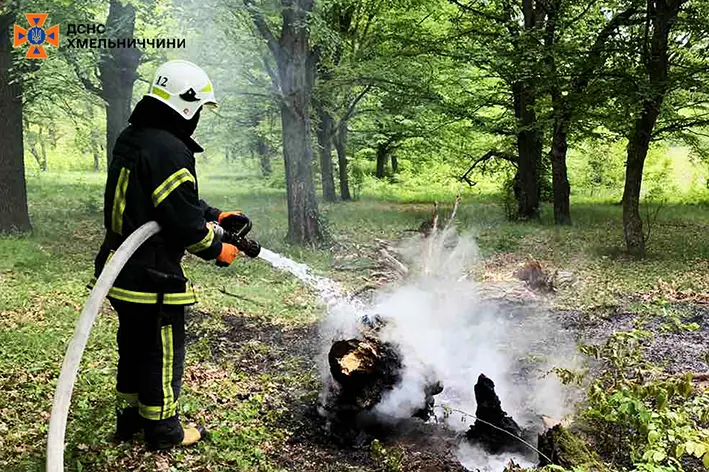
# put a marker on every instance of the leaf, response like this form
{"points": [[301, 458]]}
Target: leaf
{"points": [[690, 448], [705, 460], [653, 436], [659, 456]]}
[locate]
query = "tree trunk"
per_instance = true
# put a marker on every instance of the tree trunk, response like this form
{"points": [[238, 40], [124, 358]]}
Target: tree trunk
{"points": [[36, 147], [529, 148], [560, 178], [561, 189], [394, 163], [324, 133], [529, 139], [632, 222], [341, 147], [662, 19], [295, 74], [382, 158], [43, 152], [264, 155], [118, 72], [94, 140], [14, 215]]}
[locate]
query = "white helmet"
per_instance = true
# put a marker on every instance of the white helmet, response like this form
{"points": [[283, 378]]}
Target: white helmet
{"points": [[183, 86]]}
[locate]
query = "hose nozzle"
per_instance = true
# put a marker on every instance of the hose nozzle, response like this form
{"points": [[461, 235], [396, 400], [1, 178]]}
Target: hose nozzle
{"points": [[248, 246]]}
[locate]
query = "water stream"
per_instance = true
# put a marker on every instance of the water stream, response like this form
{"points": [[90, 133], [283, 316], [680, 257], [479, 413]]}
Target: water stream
{"points": [[328, 290]]}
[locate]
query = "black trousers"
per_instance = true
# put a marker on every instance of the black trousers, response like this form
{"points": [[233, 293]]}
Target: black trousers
{"points": [[151, 355]]}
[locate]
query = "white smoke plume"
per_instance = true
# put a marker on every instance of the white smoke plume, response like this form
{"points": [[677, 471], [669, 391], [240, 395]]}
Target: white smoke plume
{"points": [[447, 332]]}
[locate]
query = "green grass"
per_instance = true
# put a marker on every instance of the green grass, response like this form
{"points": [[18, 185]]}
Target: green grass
{"points": [[42, 290]]}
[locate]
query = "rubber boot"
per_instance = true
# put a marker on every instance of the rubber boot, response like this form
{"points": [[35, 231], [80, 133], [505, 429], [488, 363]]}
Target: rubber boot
{"points": [[169, 433], [128, 423]]}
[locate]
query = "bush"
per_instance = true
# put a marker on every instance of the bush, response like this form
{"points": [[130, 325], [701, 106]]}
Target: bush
{"points": [[642, 418]]}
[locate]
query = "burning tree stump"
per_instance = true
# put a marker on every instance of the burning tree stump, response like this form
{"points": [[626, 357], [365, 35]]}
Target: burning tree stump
{"points": [[363, 370], [493, 429]]}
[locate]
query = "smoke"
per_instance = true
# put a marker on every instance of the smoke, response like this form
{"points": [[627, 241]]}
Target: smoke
{"points": [[447, 332]]}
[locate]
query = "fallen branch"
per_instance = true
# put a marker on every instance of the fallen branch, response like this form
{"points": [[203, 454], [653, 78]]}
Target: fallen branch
{"points": [[393, 262]]}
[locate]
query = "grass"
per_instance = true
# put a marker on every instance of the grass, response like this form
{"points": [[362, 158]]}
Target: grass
{"points": [[231, 385]]}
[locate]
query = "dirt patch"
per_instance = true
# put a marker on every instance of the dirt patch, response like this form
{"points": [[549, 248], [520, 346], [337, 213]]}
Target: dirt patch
{"points": [[257, 346], [419, 446], [672, 347]]}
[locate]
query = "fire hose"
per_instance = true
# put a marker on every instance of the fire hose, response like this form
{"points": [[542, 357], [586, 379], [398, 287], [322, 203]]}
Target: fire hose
{"points": [[72, 358]]}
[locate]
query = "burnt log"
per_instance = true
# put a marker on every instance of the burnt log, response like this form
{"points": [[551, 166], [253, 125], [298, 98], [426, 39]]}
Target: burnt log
{"points": [[363, 370], [494, 430]]}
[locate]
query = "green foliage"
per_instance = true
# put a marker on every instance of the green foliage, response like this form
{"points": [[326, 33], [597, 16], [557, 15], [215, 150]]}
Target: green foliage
{"points": [[386, 459], [643, 419]]}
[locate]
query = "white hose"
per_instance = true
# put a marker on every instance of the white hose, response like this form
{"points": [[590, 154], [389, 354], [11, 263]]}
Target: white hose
{"points": [[67, 377]]}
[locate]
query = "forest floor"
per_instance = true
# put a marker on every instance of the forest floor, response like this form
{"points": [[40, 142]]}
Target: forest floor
{"points": [[251, 371]]}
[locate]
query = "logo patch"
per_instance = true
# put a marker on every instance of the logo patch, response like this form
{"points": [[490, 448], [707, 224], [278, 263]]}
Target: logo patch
{"points": [[36, 35]]}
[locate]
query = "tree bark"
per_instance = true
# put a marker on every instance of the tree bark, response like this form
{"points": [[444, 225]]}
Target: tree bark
{"points": [[43, 152], [529, 138], [529, 149], [341, 147], [559, 172], [394, 163], [264, 155], [382, 159], [118, 68], [295, 74], [325, 133], [14, 215], [662, 18], [94, 141], [561, 189], [36, 145], [294, 81]]}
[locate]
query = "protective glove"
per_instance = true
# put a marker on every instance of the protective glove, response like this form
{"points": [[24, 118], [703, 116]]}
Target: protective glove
{"points": [[235, 222], [227, 256]]}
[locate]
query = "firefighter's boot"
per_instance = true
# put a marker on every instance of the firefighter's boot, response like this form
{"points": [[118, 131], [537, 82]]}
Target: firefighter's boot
{"points": [[128, 423], [169, 433]]}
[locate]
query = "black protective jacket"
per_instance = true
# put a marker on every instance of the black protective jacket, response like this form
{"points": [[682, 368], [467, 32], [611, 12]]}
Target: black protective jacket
{"points": [[152, 177]]}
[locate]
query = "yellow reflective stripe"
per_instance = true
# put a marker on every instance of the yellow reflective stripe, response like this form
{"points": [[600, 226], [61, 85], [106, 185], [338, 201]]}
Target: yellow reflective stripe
{"points": [[185, 298], [168, 396], [132, 296], [161, 93], [126, 400], [152, 298], [156, 413], [205, 243], [170, 184], [119, 201]]}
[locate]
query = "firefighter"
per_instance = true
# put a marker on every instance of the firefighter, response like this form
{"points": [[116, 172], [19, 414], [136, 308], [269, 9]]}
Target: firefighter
{"points": [[152, 177]]}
